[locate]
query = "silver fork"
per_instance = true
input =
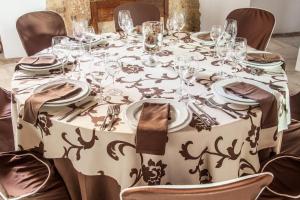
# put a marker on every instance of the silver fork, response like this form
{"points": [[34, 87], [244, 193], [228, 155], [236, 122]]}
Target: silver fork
{"points": [[116, 112], [108, 114], [214, 104]]}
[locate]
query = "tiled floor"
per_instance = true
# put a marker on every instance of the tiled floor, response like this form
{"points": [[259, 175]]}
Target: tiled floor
{"points": [[287, 46]]}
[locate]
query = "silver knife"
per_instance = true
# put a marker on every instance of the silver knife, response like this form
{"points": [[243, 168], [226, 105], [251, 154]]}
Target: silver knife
{"points": [[213, 120], [80, 111]]}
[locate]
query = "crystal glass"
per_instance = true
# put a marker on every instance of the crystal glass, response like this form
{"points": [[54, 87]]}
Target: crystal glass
{"points": [[222, 50], [215, 34], [79, 27], [183, 70], [152, 39], [113, 68], [97, 72], [230, 30], [59, 47], [76, 51], [88, 36], [125, 22], [178, 21], [239, 51]]}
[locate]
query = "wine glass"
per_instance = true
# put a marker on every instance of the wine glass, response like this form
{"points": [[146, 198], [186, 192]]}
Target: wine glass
{"points": [[179, 21], [222, 50], [239, 50], [125, 22], [78, 29], [113, 68], [183, 70], [97, 72], [89, 36], [76, 51], [230, 30], [59, 46], [215, 33], [152, 39]]}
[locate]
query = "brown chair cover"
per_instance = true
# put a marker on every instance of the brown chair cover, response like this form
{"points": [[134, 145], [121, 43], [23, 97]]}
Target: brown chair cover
{"points": [[245, 188], [140, 12], [295, 106], [36, 30], [254, 24], [286, 171], [6, 130], [27, 175]]}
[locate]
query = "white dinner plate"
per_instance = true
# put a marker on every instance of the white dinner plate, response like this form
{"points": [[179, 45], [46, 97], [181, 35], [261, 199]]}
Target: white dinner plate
{"points": [[218, 89], [194, 37], [272, 65], [41, 68], [85, 90], [170, 130], [178, 111]]}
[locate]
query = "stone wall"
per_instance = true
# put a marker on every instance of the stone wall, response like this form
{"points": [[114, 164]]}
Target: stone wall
{"points": [[191, 10], [81, 9], [69, 9]]}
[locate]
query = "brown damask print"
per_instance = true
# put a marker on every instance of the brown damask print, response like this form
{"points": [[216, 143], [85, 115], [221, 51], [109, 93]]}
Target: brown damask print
{"points": [[132, 69], [151, 172], [203, 174], [44, 122], [253, 137], [83, 145]]}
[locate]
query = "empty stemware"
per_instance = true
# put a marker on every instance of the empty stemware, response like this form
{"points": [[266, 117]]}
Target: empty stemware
{"points": [[113, 68], [125, 22], [215, 33], [59, 47]]}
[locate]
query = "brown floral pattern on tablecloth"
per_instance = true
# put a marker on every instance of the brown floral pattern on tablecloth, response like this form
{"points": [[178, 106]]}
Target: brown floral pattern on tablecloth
{"points": [[195, 154]]}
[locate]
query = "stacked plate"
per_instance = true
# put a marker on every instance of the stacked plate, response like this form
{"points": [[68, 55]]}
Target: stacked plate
{"points": [[266, 66], [195, 36], [84, 92], [180, 116], [219, 90], [31, 68]]}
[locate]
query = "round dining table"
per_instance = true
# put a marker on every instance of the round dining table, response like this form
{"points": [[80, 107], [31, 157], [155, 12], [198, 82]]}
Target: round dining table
{"points": [[195, 154]]}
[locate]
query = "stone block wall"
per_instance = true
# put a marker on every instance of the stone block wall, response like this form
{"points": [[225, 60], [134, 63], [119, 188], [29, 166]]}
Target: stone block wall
{"points": [[81, 9]]}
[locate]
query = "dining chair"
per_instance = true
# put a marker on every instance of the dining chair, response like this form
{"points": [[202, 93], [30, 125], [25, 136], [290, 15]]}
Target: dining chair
{"points": [[36, 30], [286, 182], [140, 12], [6, 129], [246, 188], [27, 175], [255, 24]]}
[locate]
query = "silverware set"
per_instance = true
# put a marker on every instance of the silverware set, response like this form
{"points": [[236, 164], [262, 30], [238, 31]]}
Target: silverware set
{"points": [[207, 120], [42, 76], [72, 114], [112, 113], [211, 103]]}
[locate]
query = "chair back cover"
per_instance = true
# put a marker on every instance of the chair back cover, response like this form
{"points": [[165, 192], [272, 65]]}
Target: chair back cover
{"points": [[6, 129], [254, 24], [27, 175], [140, 12], [36, 30], [246, 188], [286, 171]]}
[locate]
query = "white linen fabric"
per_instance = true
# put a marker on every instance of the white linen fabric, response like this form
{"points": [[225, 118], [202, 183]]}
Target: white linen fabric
{"points": [[195, 154]]}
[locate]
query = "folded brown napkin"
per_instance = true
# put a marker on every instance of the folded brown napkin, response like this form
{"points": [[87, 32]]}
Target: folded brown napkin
{"points": [[205, 36], [266, 100], [34, 103], [151, 137], [38, 60], [264, 58]]}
